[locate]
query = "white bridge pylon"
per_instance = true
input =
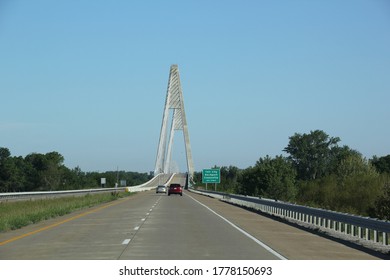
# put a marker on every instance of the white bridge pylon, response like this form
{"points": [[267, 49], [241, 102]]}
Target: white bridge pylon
{"points": [[174, 101]]}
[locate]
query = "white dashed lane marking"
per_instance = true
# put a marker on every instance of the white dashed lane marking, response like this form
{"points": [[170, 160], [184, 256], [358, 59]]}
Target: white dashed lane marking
{"points": [[126, 241]]}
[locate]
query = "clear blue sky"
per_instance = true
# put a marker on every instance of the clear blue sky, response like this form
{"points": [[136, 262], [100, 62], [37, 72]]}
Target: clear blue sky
{"points": [[88, 79]]}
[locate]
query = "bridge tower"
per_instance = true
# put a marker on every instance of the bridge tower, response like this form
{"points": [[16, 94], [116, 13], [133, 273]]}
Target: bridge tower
{"points": [[174, 101]]}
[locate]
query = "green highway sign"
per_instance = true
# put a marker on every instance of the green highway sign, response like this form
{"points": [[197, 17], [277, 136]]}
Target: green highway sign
{"points": [[211, 176]]}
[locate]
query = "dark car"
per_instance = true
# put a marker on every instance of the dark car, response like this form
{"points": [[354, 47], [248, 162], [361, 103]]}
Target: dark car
{"points": [[161, 189], [175, 189]]}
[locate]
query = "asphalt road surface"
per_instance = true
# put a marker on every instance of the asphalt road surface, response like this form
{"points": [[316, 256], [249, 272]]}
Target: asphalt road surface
{"points": [[159, 227]]}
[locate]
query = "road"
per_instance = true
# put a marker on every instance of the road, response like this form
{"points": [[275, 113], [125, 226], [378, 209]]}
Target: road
{"points": [[156, 226], [145, 226]]}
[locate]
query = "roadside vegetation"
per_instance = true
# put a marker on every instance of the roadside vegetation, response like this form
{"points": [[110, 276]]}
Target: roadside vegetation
{"points": [[47, 172], [314, 170], [17, 214], [317, 172]]}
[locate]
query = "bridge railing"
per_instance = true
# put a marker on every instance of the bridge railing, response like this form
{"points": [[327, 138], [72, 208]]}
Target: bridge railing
{"points": [[357, 227]]}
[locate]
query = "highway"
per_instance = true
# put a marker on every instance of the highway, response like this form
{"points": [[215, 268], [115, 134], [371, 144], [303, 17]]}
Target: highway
{"points": [[149, 226]]}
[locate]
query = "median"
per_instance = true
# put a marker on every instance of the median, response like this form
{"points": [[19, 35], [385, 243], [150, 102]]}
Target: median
{"points": [[17, 214]]}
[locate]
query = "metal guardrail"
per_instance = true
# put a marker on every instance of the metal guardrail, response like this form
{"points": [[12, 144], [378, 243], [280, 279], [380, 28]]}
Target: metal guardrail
{"points": [[358, 227], [50, 194]]}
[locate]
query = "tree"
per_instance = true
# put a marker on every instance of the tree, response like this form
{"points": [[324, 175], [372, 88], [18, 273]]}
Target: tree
{"points": [[381, 209], [382, 164], [12, 178], [311, 153], [6, 169], [46, 170], [270, 177], [4, 153], [249, 182], [353, 166], [358, 185], [229, 178], [276, 178]]}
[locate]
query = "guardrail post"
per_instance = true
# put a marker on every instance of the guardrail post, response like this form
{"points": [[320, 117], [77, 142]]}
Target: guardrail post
{"points": [[368, 237], [376, 236], [385, 240]]}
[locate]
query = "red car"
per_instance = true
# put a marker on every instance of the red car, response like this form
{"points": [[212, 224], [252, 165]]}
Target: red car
{"points": [[175, 189]]}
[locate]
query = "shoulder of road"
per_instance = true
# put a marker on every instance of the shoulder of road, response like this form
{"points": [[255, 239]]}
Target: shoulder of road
{"points": [[291, 241]]}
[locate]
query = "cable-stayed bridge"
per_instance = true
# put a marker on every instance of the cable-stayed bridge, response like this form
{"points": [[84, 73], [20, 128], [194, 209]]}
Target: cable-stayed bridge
{"points": [[174, 102], [195, 226]]}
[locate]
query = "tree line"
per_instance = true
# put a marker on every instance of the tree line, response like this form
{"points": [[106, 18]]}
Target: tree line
{"points": [[316, 172], [47, 172]]}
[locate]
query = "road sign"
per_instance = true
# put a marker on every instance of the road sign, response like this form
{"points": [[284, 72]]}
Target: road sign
{"points": [[103, 182], [211, 176]]}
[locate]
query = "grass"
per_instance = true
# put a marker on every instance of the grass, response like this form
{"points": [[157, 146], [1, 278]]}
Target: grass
{"points": [[17, 214]]}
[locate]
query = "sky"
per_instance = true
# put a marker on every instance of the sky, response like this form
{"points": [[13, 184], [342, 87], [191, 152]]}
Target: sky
{"points": [[88, 79]]}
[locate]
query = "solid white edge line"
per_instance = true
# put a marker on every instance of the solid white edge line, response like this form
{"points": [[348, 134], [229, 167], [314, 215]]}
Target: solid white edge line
{"points": [[269, 249]]}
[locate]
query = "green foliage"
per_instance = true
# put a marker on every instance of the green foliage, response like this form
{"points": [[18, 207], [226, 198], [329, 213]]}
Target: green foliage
{"points": [[355, 166], [317, 173], [277, 178], [46, 172], [353, 188], [315, 155], [229, 179], [382, 164], [4, 153], [273, 178], [12, 174], [14, 214], [381, 207], [249, 182]]}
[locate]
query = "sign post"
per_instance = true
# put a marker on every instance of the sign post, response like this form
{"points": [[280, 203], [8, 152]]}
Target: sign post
{"points": [[103, 182], [211, 176]]}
